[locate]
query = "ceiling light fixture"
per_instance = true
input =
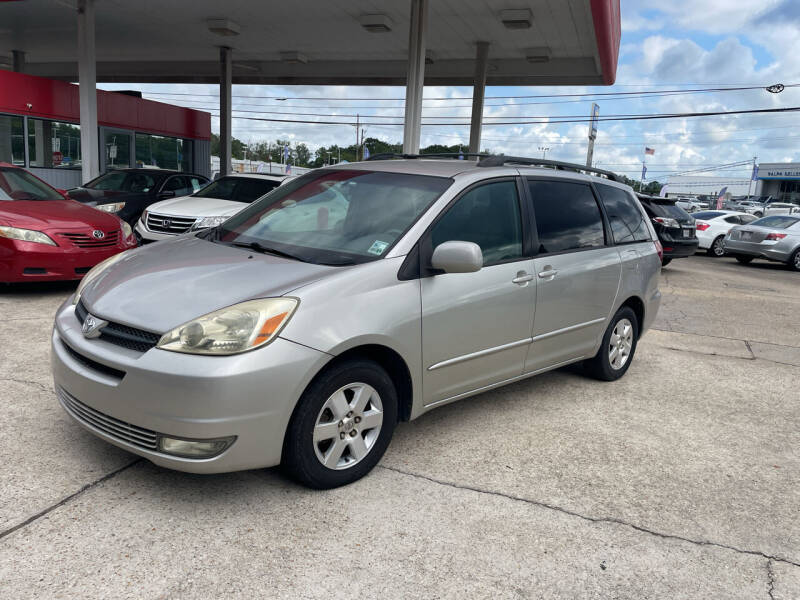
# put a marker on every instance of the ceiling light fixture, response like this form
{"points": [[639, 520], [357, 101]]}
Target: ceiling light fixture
{"points": [[294, 58], [223, 27], [540, 54], [516, 19], [376, 23]]}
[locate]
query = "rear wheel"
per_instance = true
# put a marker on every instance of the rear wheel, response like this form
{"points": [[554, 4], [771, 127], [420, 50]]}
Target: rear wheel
{"points": [[618, 347], [794, 260], [716, 249], [745, 260], [341, 426], [758, 214]]}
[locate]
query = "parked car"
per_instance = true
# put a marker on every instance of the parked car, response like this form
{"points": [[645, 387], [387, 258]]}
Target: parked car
{"points": [[688, 204], [45, 236], [781, 208], [127, 192], [673, 225], [712, 226], [258, 342], [207, 207], [775, 238], [751, 207]]}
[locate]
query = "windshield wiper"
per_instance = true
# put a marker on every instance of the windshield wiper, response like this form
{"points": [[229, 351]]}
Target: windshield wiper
{"points": [[258, 247]]}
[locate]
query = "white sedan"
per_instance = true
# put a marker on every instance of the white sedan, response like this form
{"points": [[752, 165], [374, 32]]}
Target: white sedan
{"points": [[713, 225], [207, 207]]}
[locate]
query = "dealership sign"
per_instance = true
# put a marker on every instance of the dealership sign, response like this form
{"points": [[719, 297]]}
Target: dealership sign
{"points": [[778, 171]]}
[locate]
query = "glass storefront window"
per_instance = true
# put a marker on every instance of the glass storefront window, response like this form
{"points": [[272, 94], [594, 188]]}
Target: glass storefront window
{"points": [[163, 152], [12, 140], [53, 144], [118, 150]]}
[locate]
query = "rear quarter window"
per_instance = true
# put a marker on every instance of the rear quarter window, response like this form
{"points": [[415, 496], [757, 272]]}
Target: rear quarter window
{"points": [[626, 220]]}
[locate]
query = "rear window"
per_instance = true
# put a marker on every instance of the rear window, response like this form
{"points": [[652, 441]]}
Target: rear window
{"points": [[668, 209], [706, 215], [626, 219], [776, 222]]}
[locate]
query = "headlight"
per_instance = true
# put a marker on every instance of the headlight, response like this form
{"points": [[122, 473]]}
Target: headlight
{"points": [[207, 222], [93, 273], [112, 208], [25, 235], [231, 330], [126, 230]]}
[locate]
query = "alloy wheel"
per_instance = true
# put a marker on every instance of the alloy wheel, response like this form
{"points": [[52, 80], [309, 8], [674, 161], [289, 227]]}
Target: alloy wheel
{"points": [[347, 426], [718, 249], [620, 344]]}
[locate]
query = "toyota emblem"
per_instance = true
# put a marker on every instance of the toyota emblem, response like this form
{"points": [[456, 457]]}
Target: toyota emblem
{"points": [[91, 326], [97, 234]]}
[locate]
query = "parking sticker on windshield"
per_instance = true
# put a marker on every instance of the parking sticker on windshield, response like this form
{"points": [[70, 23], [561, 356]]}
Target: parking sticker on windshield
{"points": [[378, 247]]}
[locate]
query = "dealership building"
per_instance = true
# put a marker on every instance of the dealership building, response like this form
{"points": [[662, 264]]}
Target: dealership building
{"points": [[779, 180], [40, 130]]}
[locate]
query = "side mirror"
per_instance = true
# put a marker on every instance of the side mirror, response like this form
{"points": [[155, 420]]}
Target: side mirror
{"points": [[166, 194], [457, 257]]}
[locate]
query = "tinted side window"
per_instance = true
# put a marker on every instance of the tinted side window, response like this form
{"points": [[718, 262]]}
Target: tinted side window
{"points": [[488, 216], [567, 216], [732, 219], [627, 221]]}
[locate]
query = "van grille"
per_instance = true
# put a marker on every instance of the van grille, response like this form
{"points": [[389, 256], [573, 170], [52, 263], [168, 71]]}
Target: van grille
{"points": [[83, 240], [168, 223], [120, 430], [122, 335]]}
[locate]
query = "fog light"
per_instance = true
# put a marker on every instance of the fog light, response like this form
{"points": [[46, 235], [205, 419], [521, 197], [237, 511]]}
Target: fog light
{"points": [[194, 448]]}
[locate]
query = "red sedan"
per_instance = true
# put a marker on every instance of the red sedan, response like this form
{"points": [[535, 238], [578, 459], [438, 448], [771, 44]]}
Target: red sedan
{"points": [[45, 236]]}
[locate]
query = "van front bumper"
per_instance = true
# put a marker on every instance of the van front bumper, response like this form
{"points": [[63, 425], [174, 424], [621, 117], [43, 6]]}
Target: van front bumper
{"points": [[132, 399]]}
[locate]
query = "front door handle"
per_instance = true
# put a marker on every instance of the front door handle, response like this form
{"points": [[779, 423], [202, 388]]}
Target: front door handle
{"points": [[548, 273], [522, 278]]}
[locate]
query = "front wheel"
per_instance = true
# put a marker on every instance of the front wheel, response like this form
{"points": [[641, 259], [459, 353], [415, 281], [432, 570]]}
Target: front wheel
{"points": [[341, 426], [758, 214], [716, 249], [745, 260], [618, 347]]}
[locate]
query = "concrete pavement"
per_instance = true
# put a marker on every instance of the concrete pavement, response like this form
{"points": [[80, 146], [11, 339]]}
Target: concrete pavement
{"points": [[680, 480]]}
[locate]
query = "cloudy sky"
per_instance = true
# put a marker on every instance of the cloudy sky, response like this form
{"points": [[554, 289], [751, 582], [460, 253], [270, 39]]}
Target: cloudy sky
{"points": [[665, 45]]}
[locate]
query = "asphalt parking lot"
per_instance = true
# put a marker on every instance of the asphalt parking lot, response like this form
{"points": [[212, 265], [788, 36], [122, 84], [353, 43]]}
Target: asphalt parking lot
{"points": [[681, 480]]}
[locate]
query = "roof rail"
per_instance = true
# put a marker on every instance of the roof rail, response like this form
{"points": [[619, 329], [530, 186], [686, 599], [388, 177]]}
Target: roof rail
{"points": [[390, 155], [501, 159]]}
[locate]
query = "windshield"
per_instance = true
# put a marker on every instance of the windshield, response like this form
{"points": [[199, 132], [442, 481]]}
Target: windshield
{"points": [[123, 181], [16, 184], [776, 222], [336, 216], [238, 189]]}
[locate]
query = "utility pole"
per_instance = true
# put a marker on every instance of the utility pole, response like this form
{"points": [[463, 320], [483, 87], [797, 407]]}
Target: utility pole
{"points": [[544, 150], [592, 134], [358, 130], [752, 176]]}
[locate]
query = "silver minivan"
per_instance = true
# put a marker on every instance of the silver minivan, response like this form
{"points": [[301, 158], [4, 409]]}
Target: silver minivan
{"points": [[302, 329]]}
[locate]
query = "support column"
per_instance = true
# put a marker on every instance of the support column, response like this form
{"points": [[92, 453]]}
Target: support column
{"points": [[18, 59], [87, 91], [478, 92], [416, 75], [225, 86]]}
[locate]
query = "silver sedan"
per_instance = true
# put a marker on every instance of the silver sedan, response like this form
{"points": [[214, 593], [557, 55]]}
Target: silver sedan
{"points": [[775, 238]]}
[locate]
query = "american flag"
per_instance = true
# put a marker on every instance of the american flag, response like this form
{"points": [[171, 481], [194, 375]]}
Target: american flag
{"points": [[649, 150]]}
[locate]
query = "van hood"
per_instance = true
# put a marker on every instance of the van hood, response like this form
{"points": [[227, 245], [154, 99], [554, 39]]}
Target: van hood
{"points": [[161, 286], [193, 206]]}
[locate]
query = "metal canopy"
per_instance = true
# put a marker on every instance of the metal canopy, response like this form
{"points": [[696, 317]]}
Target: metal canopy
{"points": [[318, 41]]}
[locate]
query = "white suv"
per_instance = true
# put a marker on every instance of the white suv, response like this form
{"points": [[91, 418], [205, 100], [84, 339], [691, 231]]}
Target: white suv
{"points": [[208, 207]]}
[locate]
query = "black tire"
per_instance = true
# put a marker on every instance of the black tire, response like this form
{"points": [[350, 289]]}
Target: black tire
{"points": [[665, 261], [716, 249], [794, 261], [745, 260], [758, 214], [300, 460], [600, 366]]}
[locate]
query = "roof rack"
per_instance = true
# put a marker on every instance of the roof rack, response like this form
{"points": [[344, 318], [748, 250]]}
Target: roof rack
{"points": [[390, 155], [501, 159]]}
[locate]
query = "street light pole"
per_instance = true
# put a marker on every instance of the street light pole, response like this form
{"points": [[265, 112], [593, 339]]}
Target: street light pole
{"points": [[544, 150]]}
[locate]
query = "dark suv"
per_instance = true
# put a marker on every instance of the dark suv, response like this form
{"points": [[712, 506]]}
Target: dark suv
{"points": [[675, 227]]}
